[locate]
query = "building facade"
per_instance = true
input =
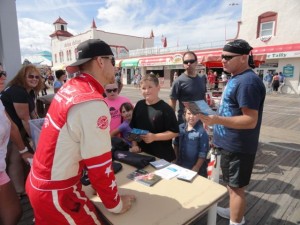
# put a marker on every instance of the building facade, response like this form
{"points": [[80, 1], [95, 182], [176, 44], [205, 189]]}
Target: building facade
{"points": [[64, 44]]}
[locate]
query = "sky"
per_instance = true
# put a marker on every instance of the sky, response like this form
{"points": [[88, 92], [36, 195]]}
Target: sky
{"points": [[182, 22]]}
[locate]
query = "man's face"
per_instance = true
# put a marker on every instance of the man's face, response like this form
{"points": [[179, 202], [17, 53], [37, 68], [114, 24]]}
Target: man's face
{"points": [[190, 63], [231, 61], [109, 69]]}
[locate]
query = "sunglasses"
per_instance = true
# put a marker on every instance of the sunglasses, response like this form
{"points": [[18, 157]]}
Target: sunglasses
{"points": [[228, 57], [2, 73], [112, 59], [30, 76], [111, 90], [191, 61]]}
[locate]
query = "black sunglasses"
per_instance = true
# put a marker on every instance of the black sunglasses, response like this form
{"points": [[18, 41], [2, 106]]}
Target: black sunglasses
{"points": [[228, 57], [191, 61], [30, 76], [2, 73], [111, 90], [112, 59]]}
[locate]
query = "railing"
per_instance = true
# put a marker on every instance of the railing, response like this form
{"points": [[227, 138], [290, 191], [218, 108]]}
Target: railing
{"points": [[162, 50]]}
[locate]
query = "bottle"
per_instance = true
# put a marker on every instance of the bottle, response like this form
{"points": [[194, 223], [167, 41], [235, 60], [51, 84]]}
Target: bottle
{"points": [[208, 100]]}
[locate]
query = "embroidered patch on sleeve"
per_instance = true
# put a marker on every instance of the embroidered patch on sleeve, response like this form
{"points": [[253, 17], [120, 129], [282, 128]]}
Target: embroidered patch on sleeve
{"points": [[102, 122]]}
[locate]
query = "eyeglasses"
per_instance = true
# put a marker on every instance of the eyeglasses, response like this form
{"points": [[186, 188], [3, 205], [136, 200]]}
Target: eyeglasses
{"points": [[111, 90], [191, 61], [228, 57], [2, 73], [112, 59], [30, 76]]}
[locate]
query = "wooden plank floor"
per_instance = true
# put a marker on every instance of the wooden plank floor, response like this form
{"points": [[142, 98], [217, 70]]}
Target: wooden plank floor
{"points": [[273, 195]]}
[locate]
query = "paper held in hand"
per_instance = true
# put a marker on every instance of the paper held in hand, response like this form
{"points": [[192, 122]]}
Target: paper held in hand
{"points": [[200, 106]]}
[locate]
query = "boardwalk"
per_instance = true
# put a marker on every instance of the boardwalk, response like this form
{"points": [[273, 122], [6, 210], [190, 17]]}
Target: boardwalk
{"points": [[273, 196]]}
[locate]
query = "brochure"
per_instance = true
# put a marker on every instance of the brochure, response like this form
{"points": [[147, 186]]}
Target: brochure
{"points": [[187, 175], [135, 134], [158, 164], [169, 172], [144, 177], [200, 106]]}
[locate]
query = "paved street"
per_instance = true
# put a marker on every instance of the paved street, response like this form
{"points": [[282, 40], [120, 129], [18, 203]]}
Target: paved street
{"points": [[281, 118]]}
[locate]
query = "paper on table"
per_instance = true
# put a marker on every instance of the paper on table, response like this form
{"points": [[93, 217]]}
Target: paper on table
{"points": [[169, 172]]}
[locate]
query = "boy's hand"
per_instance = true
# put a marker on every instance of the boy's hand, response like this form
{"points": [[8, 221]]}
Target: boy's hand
{"points": [[135, 149], [148, 138]]}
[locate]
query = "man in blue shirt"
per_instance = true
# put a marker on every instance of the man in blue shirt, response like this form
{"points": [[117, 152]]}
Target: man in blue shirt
{"points": [[268, 79], [237, 126]]}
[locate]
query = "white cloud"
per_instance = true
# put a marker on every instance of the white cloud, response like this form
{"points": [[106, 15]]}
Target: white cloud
{"points": [[187, 22]]}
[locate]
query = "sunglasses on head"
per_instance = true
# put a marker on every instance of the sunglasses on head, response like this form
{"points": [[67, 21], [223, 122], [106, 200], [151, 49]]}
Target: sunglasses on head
{"points": [[111, 90], [112, 59], [228, 57], [30, 76], [2, 73], [190, 61]]}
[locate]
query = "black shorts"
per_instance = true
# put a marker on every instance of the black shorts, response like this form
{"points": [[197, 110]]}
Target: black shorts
{"points": [[236, 168]]}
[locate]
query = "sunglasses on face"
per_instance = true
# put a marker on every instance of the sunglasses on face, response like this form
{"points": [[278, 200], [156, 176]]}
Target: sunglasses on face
{"points": [[111, 90], [190, 61], [30, 76], [112, 59], [2, 73], [228, 57]]}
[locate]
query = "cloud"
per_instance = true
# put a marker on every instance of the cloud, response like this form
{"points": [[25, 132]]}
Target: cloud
{"points": [[186, 22]]}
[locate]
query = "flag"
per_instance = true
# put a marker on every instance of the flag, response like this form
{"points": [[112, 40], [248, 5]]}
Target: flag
{"points": [[165, 42]]}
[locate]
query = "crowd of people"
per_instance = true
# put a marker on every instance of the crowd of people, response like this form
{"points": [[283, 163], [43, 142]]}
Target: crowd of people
{"points": [[89, 111]]}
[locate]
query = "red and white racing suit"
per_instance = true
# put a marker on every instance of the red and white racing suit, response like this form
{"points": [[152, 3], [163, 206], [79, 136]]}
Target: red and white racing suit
{"points": [[75, 135]]}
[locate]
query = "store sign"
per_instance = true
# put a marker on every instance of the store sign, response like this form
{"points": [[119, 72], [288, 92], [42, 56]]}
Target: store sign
{"points": [[281, 55], [177, 59], [288, 70], [268, 65]]}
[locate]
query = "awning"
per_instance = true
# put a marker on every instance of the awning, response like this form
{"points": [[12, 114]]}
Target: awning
{"points": [[130, 62], [210, 59]]}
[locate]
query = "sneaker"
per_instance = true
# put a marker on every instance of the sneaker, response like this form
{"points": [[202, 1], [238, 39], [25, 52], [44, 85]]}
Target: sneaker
{"points": [[225, 213]]}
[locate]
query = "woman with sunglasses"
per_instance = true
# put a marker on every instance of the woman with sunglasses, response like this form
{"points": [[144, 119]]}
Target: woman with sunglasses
{"points": [[10, 208], [18, 99]]}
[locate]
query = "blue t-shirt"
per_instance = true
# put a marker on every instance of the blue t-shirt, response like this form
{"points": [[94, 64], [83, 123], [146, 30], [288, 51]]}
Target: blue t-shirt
{"points": [[186, 88], [242, 90], [192, 144]]}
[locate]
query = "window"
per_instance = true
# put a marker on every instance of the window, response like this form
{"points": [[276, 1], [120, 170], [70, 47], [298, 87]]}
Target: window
{"points": [[266, 25], [266, 29]]}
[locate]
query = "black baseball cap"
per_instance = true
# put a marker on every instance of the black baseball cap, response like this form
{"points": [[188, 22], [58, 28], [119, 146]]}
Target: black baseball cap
{"points": [[90, 49]]}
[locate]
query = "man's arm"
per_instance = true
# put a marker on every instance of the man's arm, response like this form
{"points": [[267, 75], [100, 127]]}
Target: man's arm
{"points": [[16, 138], [172, 103], [246, 121]]}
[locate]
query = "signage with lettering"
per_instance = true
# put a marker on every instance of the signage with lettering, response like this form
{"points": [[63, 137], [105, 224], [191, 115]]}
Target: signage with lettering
{"points": [[281, 55], [288, 70]]}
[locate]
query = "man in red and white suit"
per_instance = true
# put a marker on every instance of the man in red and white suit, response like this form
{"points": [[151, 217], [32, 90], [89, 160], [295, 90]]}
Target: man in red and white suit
{"points": [[75, 135]]}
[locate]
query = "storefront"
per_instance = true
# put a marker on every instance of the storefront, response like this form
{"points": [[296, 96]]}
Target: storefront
{"points": [[129, 68]]}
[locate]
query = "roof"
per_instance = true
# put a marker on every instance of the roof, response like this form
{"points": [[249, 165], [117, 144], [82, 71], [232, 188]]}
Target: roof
{"points": [[60, 20], [61, 33]]}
